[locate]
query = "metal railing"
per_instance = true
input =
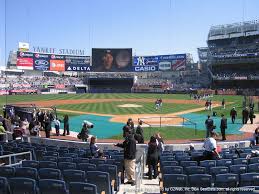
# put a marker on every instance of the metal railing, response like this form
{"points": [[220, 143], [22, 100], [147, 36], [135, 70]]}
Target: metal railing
{"points": [[12, 158]]}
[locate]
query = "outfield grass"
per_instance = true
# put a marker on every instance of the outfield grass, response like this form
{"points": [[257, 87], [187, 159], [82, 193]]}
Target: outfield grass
{"points": [[169, 133], [112, 108]]}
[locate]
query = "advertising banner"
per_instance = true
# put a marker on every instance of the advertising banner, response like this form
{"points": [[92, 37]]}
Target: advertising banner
{"points": [[41, 62], [24, 60], [112, 60], [175, 62], [77, 63]]}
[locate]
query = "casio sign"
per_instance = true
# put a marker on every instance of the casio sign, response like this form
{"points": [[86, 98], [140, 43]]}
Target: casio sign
{"points": [[145, 68]]}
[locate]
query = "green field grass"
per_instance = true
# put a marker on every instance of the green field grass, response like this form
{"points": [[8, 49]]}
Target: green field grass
{"points": [[169, 133], [112, 108]]}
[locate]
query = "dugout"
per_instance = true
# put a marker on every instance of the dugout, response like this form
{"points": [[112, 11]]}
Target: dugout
{"points": [[110, 85]]}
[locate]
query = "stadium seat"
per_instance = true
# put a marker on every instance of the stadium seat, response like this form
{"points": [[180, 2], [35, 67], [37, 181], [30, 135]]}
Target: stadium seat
{"points": [[110, 161], [7, 172], [178, 152], [208, 164], [249, 179], [230, 156], [48, 164], [26, 172], [226, 180], [49, 173], [218, 170], [200, 180], [49, 158], [74, 176], [240, 161], [71, 155], [73, 150], [96, 161], [82, 188], [188, 163], [53, 154], [62, 152], [101, 180], [167, 158], [66, 165], [86, 167], [19, 185], [195, 170], [224, 162], [254, 160], [30, 163], [113, 172], [65, 159], [49, 186], [172, 170], [238, 169], [173, 180], [51, 149], [4, 185], [168, 163], [80, 160], [182, 158], [253, 167]]}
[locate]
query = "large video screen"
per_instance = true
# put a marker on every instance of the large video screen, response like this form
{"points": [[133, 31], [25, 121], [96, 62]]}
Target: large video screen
{"points": [[52, 62], [111, 60]]}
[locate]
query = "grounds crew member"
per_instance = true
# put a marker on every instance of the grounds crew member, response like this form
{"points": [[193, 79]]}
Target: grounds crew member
{"points": [[245, 114], [209, 123], [233, 114], [223, 127]]}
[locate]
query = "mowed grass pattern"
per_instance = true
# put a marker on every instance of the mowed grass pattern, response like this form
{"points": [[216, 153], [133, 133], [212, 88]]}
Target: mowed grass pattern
{"points": [[112, 108], [169, 133]]}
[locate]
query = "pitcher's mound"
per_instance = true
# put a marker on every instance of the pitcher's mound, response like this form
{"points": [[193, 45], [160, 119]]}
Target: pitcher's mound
{"points": [[129, 106]]}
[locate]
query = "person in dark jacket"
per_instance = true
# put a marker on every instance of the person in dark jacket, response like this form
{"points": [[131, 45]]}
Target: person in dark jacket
{"points": [[251, 115], [233, 114], [66, 125], [223, 127], [47, 124], [129, 146], [152, 158], [245, 114], [84, 134], [131, 124], [209, 123], [139, 136]]}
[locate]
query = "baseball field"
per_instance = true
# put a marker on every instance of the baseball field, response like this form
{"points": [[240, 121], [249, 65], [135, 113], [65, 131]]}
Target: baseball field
{"points": [[180, 117]]}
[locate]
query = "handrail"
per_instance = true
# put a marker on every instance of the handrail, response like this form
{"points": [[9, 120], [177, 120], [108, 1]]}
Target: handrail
{"points": [[9, 156]]}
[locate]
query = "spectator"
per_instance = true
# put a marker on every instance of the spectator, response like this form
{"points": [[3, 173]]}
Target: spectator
{"points": [[210, 146], [47, 124], [152, 158], [129, 146], [139, 136], [84, 134], [160, 144], [251, 115], [57, 125], [95, 151], [245, 114], [256, 136], [233, 114], [17, 131], [2, 131], [209, 123], [66, 125], [223, 127], [35, 129]]}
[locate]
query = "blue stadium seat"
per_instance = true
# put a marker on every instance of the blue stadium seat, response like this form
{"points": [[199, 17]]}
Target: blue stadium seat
{"points": [[173, 180], [243, 155], [48, 164], [53, 154], [230, 156], [238, 169], [19, 185], [226, 180], [254, 160], [71, 155], [62, 152], [73, 150], [113, 172], [218, 170], [195, 170], [253, 167], [110, 161], [7, 172], [172, 170], [27, 172], [65, 159], [167, 158], [249, 179], [49, 158], [200, 180], [51, 149], [224, 162], [169, 163], [74, 176], [80, 160], [86, 167], [50, 186], [188, 163], [182, 158], [49, 173], [82, 188], [240, 161], [4, 186], [96, 161], [30, 163], [101, 180], [208, 164], [66, 165], [178, 152]]}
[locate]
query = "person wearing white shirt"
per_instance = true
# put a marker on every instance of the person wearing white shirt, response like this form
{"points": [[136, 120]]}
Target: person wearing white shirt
{"points": [[57, 125], [210, 146]]}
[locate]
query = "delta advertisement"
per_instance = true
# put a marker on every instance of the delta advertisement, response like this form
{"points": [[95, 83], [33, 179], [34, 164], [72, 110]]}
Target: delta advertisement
{"points": [[175, 62], [52, 62]]}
